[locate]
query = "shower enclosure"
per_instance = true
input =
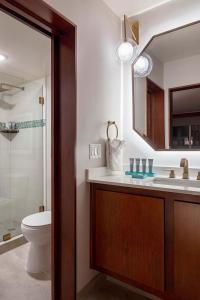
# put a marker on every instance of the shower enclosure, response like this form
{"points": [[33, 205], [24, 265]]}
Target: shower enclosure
{"points": [[22, 131]]}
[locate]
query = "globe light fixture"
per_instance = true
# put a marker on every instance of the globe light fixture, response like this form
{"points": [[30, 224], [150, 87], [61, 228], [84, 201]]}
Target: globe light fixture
{"points": [[143, 66], [2, 57], [126, 52], [127, 49]]}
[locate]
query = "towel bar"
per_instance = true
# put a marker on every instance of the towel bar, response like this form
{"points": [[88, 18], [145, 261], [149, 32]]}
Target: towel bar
{"points": [[110, 123]]}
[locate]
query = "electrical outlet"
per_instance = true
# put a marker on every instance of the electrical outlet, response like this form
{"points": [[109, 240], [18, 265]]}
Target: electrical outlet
{"points": [[95, 151]]}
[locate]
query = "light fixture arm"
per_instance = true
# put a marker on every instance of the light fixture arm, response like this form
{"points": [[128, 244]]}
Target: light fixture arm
{"points": [[125, 32], [127, 49]]}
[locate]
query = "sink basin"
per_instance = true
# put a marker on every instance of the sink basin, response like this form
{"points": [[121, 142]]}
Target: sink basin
{"points": [[177, 182]]}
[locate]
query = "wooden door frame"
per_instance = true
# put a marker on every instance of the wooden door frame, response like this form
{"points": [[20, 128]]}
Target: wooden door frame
{"points": [[155, 89], [40, 16], [170, 92]]}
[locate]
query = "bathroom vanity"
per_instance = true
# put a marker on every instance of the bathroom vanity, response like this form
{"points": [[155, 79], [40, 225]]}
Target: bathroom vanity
{"points": [[147, 234]]}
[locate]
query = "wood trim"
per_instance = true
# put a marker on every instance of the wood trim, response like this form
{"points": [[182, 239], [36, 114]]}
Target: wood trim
{"points": [[155, 114], [148, 192], [41, 17], [64, 133], [169, 244], [37, 14], [185, 87], [170, 117], [92, 221], [186, 115]]}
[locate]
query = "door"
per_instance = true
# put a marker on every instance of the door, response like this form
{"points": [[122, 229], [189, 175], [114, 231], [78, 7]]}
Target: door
{"points": [[128, 237], [21, 142], [155, 115], [187, 250]]}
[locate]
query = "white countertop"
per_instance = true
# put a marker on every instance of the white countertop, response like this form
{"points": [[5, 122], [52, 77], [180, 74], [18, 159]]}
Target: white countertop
{"points": [[101, 177]]}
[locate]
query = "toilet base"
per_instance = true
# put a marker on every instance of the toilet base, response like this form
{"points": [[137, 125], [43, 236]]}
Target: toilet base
{"points": [[39, 259]]}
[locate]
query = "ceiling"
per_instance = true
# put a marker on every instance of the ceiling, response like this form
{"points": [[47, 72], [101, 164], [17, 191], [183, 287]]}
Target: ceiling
{"points": [[132, 7], [28, 52], [177, 44], [186, 101]]}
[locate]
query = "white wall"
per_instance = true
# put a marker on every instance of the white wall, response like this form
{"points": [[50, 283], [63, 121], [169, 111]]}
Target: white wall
{"points": [[140, 104], [98, 92], [157, 73], [182, 72], [166, 17]]}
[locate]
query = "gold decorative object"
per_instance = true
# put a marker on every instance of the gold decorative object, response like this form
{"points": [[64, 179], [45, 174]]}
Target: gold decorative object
{"points": [[184, 165], [134, 28], [41, 208], [7, 237], [41, 100], [172, 174]]}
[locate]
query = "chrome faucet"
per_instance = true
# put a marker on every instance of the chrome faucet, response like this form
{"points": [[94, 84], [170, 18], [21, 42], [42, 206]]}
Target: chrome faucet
{"points": [[184, 165]]}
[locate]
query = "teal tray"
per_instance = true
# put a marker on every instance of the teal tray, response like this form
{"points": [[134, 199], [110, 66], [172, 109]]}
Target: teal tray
{"points": [[140, 174]]}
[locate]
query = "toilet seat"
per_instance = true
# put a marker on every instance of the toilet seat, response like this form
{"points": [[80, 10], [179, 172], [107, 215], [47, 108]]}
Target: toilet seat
{"points": [[38, 220]]}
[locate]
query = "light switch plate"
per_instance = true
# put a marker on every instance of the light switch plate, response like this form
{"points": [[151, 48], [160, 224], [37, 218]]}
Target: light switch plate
{"points": [[95, 151]]}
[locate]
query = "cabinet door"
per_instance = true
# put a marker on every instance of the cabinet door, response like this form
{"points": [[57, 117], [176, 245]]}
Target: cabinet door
{"points": [[187, 250], [128, 237]]}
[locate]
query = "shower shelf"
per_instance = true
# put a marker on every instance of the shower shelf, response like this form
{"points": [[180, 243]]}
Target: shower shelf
{"points": [[6, 130]]}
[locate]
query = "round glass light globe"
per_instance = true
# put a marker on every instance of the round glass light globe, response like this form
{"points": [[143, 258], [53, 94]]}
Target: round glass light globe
{"points": [[125, 52], [2, 57], [143, 66]]}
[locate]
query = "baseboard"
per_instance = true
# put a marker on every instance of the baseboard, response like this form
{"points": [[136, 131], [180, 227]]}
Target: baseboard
{"points": [[13, 243]]}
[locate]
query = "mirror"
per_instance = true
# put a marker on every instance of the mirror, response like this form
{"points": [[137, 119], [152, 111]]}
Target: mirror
{"points": [[166, 90]]}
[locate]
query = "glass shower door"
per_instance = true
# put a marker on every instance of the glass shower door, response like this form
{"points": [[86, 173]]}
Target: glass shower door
{"points": [[24, 151]]}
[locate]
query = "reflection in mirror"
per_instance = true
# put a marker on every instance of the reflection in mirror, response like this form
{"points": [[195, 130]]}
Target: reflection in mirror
{"points": [[166, 93], [185, 117]]}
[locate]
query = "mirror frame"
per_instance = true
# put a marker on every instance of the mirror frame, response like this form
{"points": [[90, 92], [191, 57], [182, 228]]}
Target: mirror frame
{"points": [[169, 107]]}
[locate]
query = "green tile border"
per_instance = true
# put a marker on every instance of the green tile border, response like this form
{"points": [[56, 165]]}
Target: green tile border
{"points": [[2, 125], [31, 124], [26, 124]]}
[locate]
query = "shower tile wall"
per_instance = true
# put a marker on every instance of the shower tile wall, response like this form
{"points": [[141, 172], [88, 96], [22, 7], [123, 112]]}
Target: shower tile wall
{"points": [[21, 160]]}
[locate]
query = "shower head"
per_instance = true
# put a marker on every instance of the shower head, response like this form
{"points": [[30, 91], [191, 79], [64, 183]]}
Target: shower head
{"points": [[6, 87]]}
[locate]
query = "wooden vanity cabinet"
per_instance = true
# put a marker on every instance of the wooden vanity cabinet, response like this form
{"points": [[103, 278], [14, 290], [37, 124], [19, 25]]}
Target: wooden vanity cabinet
{"points": [[187, 250], [148, 239], [128, 237]]}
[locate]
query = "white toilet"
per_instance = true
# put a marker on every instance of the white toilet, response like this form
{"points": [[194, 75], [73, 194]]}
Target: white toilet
{"points": [[36, 229]]}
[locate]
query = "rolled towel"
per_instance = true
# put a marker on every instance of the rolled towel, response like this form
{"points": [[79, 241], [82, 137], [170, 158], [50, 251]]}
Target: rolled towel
{"points": [[114, 155]]}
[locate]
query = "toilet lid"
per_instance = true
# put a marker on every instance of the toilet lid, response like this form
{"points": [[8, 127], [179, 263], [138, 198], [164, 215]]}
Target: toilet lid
{"points": [[38, 219]]}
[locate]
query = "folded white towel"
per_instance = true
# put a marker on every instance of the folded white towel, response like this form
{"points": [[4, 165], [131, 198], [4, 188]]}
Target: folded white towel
{"points": [[114, 155]]}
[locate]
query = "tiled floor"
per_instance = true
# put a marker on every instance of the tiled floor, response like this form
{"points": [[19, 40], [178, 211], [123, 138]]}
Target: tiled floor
{"points": [[15, 283], [102, 289]]}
